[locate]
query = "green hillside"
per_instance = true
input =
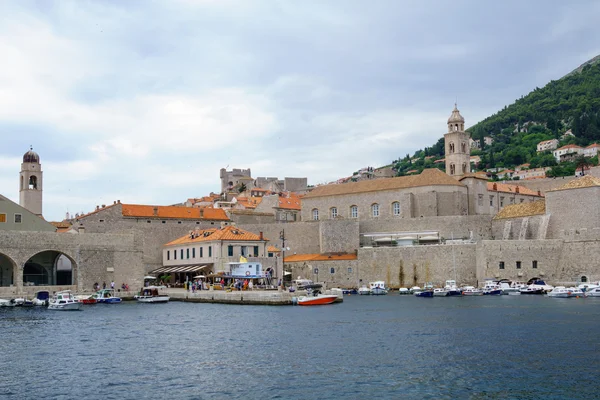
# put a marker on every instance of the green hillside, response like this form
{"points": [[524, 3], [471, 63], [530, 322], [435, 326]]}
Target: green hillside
{"points": [[572, 102]]}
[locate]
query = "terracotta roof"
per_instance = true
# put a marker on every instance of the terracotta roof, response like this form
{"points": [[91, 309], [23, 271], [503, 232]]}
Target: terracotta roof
{"points": [[98, 210], [522, 210], [569, 146], [144, 211], [321, 257], [62, 226], [583, 182], [290, 202], [503, 187], [231, 233], [249, 203], [273, 249], [476, 175], [591, 146], [429, 177]]}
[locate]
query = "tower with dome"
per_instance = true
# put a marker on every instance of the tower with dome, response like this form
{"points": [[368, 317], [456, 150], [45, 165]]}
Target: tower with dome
{"points": [[30, 183], [458, 152]]}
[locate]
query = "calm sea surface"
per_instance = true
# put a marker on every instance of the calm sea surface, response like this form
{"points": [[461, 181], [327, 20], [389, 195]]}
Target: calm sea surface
{"points": [[522, 347]]}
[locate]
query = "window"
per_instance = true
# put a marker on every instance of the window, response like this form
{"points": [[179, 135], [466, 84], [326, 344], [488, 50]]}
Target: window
{"points": [[18, 218], [243, 250], [518, 264], [255, 251], [164, 222], [396, 208], [210, 251], [99, 220], [197, 222], [315, 214], [187, 253], [584, 279], [168, 254], [230, 251], [149, 221], [501, 265], [501, 201], [512, 200], [334, 212], [174, 254], [375, 210], [534, 264], [349, 270], [201, 252], [178, 222], [491, 201], [332, 270], [354, 212], [181, 254], [193, 252], [480, 200]]}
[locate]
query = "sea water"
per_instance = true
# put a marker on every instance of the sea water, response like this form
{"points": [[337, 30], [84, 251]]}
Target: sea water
{"points": [[521, 347]]}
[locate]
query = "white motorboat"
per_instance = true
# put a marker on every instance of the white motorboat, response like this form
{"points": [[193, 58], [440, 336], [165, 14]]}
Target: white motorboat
{"points": [[41, 298], [560, 292], [471, 291], [586, 287], [452, 289], [7, 303], [595, 292], [440, 292], [150, 294], [510, 287], [403, 290], [415, 289], [23, 302], [378, 288], [576, 292], [364, 290], [314, 297], [536, 286], [64, 301]]}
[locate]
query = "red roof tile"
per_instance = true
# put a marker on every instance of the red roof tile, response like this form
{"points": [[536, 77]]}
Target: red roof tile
{"points": [[231, 233]]}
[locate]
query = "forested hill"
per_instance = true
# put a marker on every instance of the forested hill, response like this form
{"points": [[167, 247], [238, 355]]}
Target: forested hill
{"points": [[572, 102]]}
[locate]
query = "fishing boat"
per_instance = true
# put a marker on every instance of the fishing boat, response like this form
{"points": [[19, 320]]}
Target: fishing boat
{"points": [[64, 301], [106, 296], [471, 291], [150, 294], [314, 297]]}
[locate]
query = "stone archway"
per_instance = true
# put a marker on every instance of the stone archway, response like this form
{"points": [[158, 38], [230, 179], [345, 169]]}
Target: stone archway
{"points": [[49, 268], [7, 271]]}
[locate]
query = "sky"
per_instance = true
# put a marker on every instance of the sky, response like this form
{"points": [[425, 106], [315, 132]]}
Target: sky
{"points": [[145, 101]]}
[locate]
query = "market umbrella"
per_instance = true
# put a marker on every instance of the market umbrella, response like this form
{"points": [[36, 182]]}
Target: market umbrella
{"points": [[199, 276], [149, 277]]}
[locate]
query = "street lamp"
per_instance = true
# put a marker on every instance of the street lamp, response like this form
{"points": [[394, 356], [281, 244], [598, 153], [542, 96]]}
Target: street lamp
{"points": [[282, 237]]}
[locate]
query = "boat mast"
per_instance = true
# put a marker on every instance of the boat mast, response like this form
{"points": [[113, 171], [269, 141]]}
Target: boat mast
{"points": [[453, 258]]}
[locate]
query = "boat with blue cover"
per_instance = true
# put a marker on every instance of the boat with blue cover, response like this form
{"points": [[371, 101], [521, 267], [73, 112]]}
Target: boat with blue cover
{"points": [[106, 296]]}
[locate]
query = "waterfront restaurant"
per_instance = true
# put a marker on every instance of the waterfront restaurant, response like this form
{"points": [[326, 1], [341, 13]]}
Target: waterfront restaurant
{"points": [[209, 252]]}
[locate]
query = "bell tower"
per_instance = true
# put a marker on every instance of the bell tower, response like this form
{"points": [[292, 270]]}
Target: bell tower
{"points": [[30, 185], [458, 151]]}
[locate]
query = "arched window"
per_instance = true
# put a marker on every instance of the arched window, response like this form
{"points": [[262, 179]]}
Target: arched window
{"points": [[354, 211], [333, 212], [375, 210], [451, 147], [21, 183], [584, 279], [315, 214], [463, 147], [396, 208], [452, 169], [32, 182], [464, 167]]}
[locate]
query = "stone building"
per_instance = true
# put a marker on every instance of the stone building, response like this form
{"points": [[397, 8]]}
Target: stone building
{"points": [[209, 250]]}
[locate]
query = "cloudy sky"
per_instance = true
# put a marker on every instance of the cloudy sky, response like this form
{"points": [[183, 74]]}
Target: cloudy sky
{"points": [[144, 101]]}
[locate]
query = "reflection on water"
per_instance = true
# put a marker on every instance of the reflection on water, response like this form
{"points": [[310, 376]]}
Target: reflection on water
{"points": [[380, 346]]}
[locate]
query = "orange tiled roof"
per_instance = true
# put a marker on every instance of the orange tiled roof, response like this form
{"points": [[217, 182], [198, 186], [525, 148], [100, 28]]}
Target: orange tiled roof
{"points": [[321, 257], [273, 249], [522, 210], [569, 146], [429, 177], [503, 187], [175, 212], [249, 203], [591, 146], [231, 233], [292, 202]]}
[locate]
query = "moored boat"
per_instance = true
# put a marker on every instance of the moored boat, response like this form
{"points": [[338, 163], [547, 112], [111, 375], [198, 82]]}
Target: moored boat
{"points": [[440, 292], [364, 290], [424, 293], [471, 291], [106, 296], [403, 290], [378, 288], [314, 297], [41, 298], [452, 289], [7, 303], [150, 294], [64, 301], [595, 292]]}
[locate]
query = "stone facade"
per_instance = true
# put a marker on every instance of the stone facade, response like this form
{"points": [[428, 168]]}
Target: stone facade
{"points": [[31, 183]]}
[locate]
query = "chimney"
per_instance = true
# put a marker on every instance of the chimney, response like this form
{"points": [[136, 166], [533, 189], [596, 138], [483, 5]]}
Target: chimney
{"points": [[114, 202], [97, 208], [103, 205], [517, 189], [155, 211], [495, 187], [539, 193], [118, 201], [260, 236]]}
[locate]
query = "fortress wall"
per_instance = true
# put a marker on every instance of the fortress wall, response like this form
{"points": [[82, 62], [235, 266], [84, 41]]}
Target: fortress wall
{"points": [[558, 261], [339, 236], [514, 226], [575, 214], [300, 237]]}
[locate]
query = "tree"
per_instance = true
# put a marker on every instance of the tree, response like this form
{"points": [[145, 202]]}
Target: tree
{"points": [[582, 163], [242, 188]]}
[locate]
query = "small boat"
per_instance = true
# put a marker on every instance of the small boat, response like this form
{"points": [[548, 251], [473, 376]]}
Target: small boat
{"points": [[106, 296], [364, 290], [315, 298], [87, 299], [403, 290], [41, 298], [439, 292], [378, 288], [560, 292], [23, 302], [424, 293], [471, 291], [64, 301], [415, 289], [350, 291], [492, 292], [7, 303], [150, 294], [595, 292], [576, 292], [452, 289], [536, 286]]}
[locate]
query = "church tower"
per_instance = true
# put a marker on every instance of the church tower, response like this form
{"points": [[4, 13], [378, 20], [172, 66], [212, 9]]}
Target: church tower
{"points": [[30, 187], [458, 151]]}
